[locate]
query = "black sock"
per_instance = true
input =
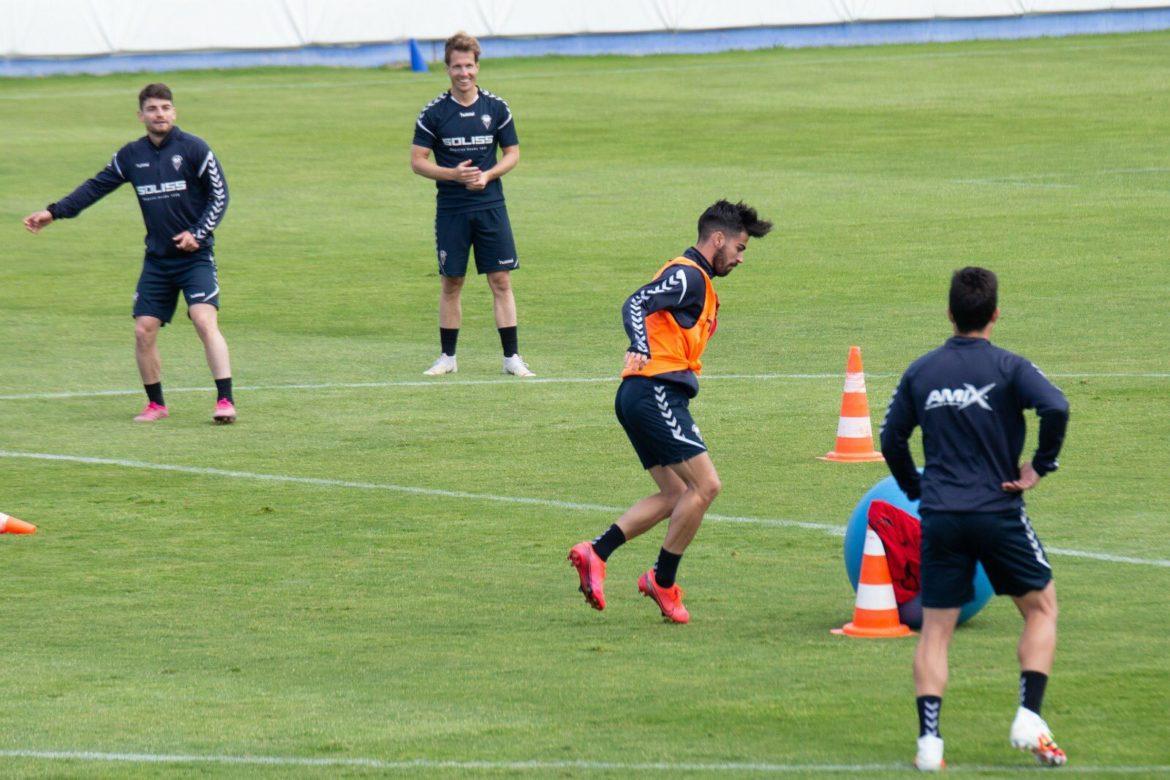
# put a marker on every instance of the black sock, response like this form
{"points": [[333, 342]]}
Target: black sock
{"points": [[1032, 690], [667, 568], [508, 341], [609, 541], [447, 339], [154, 393], [223, 389], [928, 712]]}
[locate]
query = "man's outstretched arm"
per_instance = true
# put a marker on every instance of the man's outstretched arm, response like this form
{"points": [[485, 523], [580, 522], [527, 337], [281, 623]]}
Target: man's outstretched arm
{"points": [[88, 193]]}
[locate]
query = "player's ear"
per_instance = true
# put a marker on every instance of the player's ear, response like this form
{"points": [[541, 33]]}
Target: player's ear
{"points": [[950, 316], [995, 315]]}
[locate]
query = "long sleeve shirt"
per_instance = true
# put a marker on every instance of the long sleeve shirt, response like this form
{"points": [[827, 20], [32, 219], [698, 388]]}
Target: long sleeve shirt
{"points": [[179, 184], [969, 397]]}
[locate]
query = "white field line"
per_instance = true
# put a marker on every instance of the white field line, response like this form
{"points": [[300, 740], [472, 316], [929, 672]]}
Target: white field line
{"points": [[856, 54], [534, 381], [833, 529], [529, 766], [1033, 180]]}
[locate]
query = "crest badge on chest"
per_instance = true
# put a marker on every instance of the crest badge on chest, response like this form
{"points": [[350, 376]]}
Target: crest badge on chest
{"points": [[487, 121], [176, 161]]}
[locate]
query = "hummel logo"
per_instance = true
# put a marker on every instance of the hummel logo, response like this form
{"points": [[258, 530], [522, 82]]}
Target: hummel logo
{"points": [[141, 165], [963, 397], [466, 114]]}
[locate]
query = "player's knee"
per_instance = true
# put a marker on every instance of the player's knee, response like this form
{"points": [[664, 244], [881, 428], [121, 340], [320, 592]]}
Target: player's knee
{"points": [[500, 283], [145, 333], [709, 488]]}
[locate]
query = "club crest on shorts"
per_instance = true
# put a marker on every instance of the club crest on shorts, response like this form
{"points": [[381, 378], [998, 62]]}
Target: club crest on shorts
{"points": [[487, 121], [176, 161]]}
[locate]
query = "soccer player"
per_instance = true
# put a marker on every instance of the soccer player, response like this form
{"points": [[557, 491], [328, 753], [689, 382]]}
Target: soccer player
{"points": [[463, 126], [968, 396], [669, 322], [183, 196]]}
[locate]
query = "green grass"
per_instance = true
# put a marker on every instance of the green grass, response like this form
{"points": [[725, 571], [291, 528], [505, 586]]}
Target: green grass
{"points": [[168, 612]]}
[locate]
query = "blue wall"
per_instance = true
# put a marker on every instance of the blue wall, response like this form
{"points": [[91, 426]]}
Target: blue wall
{"points": [[851, 34]]}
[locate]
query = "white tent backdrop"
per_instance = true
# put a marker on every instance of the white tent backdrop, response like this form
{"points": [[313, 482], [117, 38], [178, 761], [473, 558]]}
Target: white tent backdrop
{"points": [[72, 28]]}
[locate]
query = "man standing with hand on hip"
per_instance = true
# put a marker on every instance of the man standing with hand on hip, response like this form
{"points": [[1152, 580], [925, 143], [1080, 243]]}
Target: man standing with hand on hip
{"points": [[968, 396]]}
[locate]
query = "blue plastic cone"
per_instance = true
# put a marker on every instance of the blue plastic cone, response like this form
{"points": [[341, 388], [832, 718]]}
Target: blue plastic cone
{"points": [[417, 63]]}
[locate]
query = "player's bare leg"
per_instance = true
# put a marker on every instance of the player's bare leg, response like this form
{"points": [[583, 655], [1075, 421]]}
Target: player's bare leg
{"points": [[1036, 650], [503, 300], [504, 308], [450, 303], [205, 318], [652, 510], [149, 365], [450, 318], [702, 486], [930, 682], [930, 657], [636, 520], [1037, 645], [146, 349]]}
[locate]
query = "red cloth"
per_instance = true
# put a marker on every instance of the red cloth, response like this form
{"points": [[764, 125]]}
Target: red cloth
{"points": [[901, 535]]}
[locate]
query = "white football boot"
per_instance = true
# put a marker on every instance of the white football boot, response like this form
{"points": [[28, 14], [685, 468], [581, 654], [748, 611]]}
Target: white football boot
{"points": [[930, 754], [444, 365], [516, 366], [1031, 733]]}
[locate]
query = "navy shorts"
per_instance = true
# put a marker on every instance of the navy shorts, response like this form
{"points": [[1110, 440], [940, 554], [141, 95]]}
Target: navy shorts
{"points": [[488, 230], [161, 281], [1003, 542], [657, 420]]}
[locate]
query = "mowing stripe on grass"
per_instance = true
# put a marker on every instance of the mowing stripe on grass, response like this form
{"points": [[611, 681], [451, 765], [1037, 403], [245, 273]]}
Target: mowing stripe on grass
{"points": [[557, 380], [531, 766], [855, 54], [834, 529]]}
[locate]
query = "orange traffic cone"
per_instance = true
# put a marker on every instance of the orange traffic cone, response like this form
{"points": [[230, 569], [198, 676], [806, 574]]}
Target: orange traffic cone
{"points": [[10, 525], [854, 433], [876, 613]]}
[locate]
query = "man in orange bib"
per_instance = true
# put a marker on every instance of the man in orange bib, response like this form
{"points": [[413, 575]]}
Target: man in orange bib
{"points": [[669, 322]]}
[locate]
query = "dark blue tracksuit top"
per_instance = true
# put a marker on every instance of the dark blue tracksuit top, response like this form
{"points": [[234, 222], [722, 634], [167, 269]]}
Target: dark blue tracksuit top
{"points": [[969, 397], [179, 184]]}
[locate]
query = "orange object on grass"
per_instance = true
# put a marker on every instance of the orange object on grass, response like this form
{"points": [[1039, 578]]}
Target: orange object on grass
{"points": [[854, 432], [10, 525], [875, 615]]}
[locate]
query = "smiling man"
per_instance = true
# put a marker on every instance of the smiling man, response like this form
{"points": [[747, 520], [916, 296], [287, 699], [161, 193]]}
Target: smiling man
{"points": [[183, 196], [463, 126], [669, 322]]}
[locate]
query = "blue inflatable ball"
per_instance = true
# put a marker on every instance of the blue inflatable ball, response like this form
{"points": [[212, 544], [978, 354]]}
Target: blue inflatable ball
{"points": [[911, 612]]}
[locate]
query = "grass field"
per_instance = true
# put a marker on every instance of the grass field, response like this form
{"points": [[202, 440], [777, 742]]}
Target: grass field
{"points": [[347, 610]]}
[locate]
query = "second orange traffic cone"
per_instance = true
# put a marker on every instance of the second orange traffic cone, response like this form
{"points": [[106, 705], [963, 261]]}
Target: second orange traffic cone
{"points": [[854, 432], [875, 615], [10, 525]]}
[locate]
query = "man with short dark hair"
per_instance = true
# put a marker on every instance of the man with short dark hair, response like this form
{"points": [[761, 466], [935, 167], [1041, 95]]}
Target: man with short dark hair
{"points": [[463, 126], [968, 396], [183, 196], [669, 322]]}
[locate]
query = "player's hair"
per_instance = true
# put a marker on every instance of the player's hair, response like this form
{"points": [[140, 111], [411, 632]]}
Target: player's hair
{"points": [[460, 41], [974, 296], [159, 91], [732, 219]]}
